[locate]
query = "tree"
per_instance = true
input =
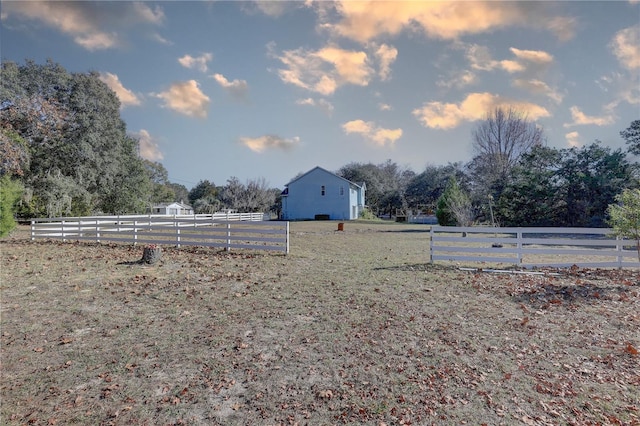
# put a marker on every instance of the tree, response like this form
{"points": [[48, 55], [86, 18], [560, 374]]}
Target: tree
{"points": [[454, 206], [424, 189], [589, 179], [386, 183], [77, 142], [632, 137], [624, 217], [499, 141], [204, 197], [532, 197], [10, 191]]}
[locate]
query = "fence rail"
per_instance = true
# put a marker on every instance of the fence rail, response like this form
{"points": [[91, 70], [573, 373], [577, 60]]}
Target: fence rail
{"points": [[235, 231], [533, 247]]}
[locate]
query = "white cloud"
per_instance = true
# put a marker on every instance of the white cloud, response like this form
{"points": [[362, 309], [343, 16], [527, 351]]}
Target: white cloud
{"points": [[196, 62], [370, 131], [573, 139], [366, 20], [126, 96], [532, 61], [386, 56], [148, 148], [92, 25], [321, 103], [475, 106], [458, 80], [237, 88], [384, 107], [261, 143], [626, 47], [324, 70], [186, 98], [539, 87], [580, 118]]}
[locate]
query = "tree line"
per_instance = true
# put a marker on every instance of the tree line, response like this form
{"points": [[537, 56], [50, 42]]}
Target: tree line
{"points": [[65, 151]]}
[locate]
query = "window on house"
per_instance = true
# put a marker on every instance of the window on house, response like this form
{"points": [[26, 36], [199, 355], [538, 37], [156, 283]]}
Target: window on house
{"points": [[322, 190], [341, 191]]}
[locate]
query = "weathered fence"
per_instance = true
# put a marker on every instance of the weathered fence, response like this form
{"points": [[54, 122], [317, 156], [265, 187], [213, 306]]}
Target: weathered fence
{"points": [[533, 247], [234, 231]]}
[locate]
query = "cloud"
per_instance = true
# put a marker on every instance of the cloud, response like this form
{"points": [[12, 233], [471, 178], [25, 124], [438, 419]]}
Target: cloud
{"points": [[580, 118], [538, 87], [370, 131], [148, 148], [261, 143], [535, 56], [236, 88], [531, 61], [186, 98], [157, 37], [440, 115], [321, 103], [384, 107], [126, 96], [196, 62], [458, 80], [573, 139], [386, 56], [324, 70], [366, 20], [624, 87], [626, 47], [92, 25]]}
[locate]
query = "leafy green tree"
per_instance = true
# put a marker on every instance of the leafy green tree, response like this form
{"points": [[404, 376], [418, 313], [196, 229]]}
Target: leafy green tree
{"points": [[624, 216], [454, 206], [532, 198], [77, 142], [10, 191], [424, 189], [590, 178], [632, 137]]}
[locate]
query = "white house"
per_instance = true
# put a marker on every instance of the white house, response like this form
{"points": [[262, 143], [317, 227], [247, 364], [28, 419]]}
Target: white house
{"points": [[320, 194], [174, 208]]}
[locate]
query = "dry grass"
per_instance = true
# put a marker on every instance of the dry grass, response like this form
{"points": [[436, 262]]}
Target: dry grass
{"points": [[351, 327]]}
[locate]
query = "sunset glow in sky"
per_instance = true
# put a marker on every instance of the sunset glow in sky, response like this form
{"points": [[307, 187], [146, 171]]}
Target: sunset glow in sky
{"points": [[270, 89]]}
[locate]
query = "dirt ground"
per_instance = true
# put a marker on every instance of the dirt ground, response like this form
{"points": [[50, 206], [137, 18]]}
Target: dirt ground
{"points": [[352, 327]]}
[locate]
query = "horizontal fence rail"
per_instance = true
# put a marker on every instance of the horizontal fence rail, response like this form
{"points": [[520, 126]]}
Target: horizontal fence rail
{"points": [[242, 231], [533, 247]]}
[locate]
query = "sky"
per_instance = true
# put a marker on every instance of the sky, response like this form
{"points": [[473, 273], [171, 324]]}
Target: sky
{"points": [[271, 89]]}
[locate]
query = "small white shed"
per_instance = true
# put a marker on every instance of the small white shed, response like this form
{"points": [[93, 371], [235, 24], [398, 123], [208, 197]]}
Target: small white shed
{"points": [[171, 209]]}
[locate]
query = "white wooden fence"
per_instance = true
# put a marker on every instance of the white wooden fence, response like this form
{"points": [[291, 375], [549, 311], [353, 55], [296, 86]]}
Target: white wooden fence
{"points": [[533, 247], [227, 230]]}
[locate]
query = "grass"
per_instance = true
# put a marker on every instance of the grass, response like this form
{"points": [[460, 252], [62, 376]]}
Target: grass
{"points": [[351, 327]]}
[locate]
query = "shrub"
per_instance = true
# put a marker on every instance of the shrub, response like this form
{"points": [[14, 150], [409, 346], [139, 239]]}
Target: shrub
{"points": [[10, 191]]}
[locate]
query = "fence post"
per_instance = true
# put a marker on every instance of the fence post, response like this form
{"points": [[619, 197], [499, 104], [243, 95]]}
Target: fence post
{"points": [[228, 248], [62, 229], [619, 247], [431, 232], [519, 246], [33, 234], [177, 236], [135, 233], [287, 237]]}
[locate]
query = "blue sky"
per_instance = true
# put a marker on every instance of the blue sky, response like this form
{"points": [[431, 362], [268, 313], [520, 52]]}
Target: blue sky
{"points": [[271, 89]]}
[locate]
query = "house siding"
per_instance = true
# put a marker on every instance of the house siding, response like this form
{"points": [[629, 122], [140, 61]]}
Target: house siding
{"points": [[305, 199]]}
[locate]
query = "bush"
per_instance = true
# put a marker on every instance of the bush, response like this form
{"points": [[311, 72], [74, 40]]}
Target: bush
{"points": [[10, 191], [367, 214]]}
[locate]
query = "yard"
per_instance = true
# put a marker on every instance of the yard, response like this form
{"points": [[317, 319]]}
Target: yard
{"points": [[352, 327]]}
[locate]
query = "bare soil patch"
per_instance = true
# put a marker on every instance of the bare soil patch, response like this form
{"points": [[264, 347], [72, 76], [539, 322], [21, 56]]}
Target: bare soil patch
{"points": [[352, 327]]}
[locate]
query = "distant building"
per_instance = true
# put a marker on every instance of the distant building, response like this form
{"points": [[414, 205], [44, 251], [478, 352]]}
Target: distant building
{"points": [[172, 209], [320, 194]]}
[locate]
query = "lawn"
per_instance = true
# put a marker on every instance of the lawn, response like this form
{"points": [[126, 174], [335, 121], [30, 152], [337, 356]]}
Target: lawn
{"points": [[352, 327]]}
